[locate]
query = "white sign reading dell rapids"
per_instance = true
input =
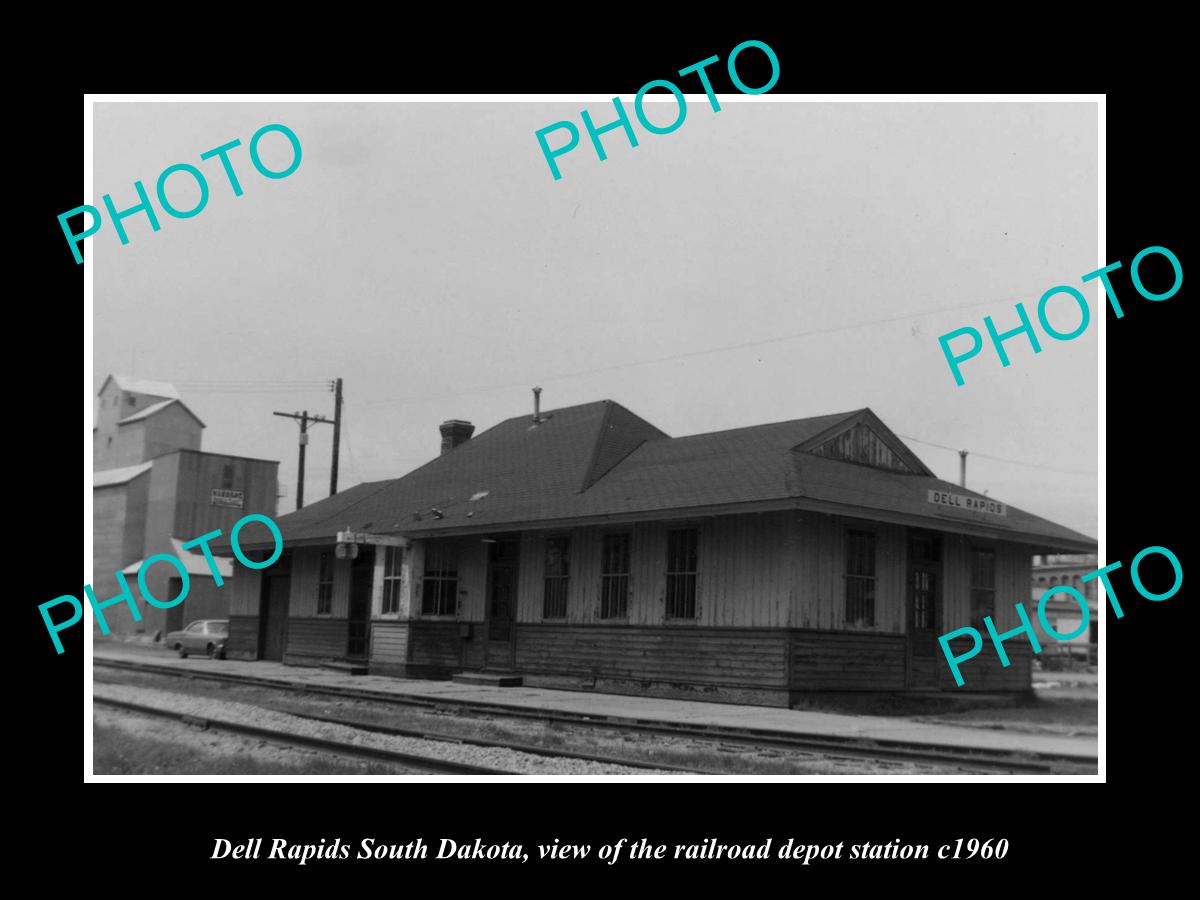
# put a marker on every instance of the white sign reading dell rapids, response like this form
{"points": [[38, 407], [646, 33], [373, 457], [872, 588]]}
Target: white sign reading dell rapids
{"points": [[962, 501]]}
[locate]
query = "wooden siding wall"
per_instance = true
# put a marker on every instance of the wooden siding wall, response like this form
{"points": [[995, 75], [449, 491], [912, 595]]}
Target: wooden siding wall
{"points": [[847, 661], [306, 570], [861, 444], [984, 672], [310, 640], [1013, 582], [744, 577], [472, 577], [389, 644], [245, 589], [435, 645], [243, 637], [819, 563], [687, 659]]}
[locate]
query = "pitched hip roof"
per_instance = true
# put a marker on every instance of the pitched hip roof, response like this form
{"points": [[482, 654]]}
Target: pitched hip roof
{"points": [[600, 462]]}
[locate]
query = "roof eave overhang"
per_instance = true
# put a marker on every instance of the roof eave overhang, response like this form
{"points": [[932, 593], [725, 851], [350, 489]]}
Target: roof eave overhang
{"points": [[1039, 543]]}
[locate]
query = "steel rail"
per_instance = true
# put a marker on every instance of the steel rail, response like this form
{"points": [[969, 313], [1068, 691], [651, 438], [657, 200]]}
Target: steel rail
{"points": [[834, 746], [339, 748]]}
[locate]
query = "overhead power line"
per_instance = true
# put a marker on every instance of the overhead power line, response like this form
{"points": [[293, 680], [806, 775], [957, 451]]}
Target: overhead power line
{"points": [[1015, 462], [402, 401]]}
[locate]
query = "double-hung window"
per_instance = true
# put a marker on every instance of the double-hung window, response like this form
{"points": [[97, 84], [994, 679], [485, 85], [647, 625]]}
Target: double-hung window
{"points": [[558, 573], [860, 578], [439, 594], [681, 573], [325, 585], [614, 577], [983, 584], [393, 559]]}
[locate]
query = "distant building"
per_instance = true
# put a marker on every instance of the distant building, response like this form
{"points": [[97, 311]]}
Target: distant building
{"points": [[1063, 611], [153, 489]]}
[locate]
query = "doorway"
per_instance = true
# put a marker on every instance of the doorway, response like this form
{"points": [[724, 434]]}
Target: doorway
{"points": [[174, 620], [362, 574], [924, 607], [503, 554], [272, 634]]}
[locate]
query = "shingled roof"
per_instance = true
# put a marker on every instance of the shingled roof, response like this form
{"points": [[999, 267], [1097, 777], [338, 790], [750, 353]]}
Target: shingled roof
{"points": [[600, 462]]}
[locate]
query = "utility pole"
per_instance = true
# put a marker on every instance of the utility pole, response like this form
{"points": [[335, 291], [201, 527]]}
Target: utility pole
{"points": [[337, 434], [304, 419], [962, 468]]}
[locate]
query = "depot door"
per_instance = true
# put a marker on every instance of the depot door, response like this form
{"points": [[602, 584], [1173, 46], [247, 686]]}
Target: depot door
{"points": [[274, 613], [503, 554], [924, 608], [362, 572]]}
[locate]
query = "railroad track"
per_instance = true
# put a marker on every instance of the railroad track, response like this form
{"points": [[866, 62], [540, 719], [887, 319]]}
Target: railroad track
{"points": [[339, 748], [831, 746]]}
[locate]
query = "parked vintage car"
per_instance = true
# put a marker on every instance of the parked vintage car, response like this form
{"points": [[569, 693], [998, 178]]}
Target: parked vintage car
{"points": [[202, 636]]}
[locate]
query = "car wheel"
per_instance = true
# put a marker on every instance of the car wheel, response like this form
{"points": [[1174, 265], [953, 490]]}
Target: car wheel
{"points": [[182, 652]]}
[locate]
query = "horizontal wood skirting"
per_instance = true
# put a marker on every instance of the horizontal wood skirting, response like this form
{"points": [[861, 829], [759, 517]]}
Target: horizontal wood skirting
{"points": [[315, 639], [727, 656], [847, 661], [984, 672], [434, 645]]}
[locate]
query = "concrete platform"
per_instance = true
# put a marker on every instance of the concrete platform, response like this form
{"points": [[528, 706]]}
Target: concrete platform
{"points": [[350, 668], [643, 709], [495, 679]]}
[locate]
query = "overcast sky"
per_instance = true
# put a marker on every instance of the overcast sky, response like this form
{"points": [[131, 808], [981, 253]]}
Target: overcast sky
{"points": [[424, 253]]}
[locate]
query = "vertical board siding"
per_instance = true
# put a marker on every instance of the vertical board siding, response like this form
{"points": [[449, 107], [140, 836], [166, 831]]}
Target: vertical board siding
{"points": [[306, 571], [244, 588], [302, 598], [956, 582], [819, 600], [583, 588], [1013, 581], [744, 577], [530, 569]]}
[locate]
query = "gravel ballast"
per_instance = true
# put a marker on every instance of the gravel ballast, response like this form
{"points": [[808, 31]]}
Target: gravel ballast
{"points": [[509, 761]]}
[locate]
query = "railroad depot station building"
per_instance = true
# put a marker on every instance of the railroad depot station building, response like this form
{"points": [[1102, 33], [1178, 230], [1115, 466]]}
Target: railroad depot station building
{"points": [[154, 489], [584, 548]]}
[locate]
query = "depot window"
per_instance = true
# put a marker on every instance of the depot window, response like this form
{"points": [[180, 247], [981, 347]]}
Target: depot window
{"points": [[392, 561], [558, 573], [325, 585], [860, 578], [439, 592], [983, 584], [681, 573], [614, 577]]}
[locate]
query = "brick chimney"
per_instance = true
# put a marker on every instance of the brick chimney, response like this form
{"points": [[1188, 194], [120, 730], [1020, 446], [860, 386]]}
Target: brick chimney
{"points": [[455, 432]]}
